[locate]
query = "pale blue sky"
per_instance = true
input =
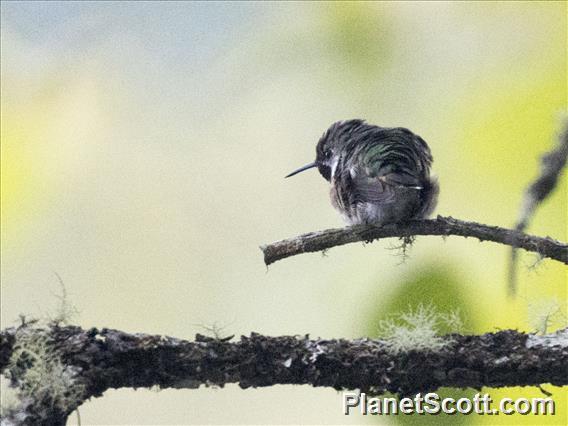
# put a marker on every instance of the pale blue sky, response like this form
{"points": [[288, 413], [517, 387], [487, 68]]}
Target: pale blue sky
{"points": [[175, 31]]}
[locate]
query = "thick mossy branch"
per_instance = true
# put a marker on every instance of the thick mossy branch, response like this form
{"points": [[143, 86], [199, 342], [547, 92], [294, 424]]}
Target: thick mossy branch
{"points": [[444, 226], [105, 359]]}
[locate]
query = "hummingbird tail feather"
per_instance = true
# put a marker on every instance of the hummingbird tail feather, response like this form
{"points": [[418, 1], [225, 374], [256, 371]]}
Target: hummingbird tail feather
{"points": [[430, 197]]}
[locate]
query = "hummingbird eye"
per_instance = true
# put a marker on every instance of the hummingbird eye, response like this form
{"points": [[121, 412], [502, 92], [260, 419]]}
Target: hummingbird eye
{"points": [[327, 153]]}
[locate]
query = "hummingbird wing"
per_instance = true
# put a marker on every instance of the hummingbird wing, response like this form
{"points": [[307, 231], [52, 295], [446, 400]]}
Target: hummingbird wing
{"points": [[391, 158]]}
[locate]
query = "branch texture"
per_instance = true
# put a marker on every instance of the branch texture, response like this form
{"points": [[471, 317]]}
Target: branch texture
{"points": [[551, 166], [444, 226], [97, 360]]}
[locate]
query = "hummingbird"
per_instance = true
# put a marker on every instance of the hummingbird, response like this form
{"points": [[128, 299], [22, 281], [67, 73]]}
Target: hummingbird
{"points": [[378, 175]]}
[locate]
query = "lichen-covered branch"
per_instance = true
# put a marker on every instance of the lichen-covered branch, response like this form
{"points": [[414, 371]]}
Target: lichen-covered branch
{"points": [[551, 166], [444, 226], [97, 360]]}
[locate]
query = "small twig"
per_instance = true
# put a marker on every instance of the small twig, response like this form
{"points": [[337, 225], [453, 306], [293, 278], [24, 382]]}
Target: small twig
{"points": [[322, 240], [551, 166]]}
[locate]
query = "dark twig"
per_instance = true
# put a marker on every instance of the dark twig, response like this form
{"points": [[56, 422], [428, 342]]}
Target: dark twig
{"points": [[322, 240], [97, 360], [551, 166]]}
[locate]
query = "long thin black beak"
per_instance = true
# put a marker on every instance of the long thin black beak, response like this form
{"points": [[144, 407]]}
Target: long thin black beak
{"points": [[301, 169]]}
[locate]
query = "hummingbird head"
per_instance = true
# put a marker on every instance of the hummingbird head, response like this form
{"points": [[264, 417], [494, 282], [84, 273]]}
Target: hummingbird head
{"points": [[330, 146]]}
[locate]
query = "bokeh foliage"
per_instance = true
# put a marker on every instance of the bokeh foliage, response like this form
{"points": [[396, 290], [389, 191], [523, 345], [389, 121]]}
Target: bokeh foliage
{"points": [[143, 149]]}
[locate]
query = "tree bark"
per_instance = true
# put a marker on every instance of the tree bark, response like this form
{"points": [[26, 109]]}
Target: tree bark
{"points": [[106, 359]]}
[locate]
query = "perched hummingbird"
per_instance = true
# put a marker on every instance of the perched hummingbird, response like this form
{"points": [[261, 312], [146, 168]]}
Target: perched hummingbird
{"points": [[378, 174]]}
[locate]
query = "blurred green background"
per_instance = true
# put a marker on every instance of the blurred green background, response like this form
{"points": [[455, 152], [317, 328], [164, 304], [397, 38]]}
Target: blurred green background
{"points": [[143, 152]]}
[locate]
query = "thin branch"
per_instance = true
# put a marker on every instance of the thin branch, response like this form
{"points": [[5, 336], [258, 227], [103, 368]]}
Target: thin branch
{"points": [[105, 359], [551, 166], [323, 240]]}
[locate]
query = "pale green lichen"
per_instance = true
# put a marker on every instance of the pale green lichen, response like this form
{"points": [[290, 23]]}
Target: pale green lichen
{"points": [[36, 371], [403, 249], [215, 329], [65, 311], [418, 330], [9, 399], [546, 314], [453, 321]]}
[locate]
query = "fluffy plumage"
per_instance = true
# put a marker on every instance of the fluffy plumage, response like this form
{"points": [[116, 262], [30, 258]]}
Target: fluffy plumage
{"points": [[378, 175]]}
